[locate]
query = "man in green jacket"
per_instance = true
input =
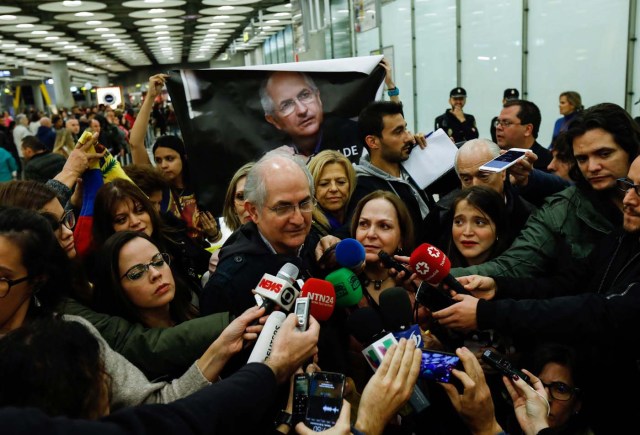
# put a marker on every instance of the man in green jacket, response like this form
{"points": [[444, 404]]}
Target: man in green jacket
{"points": [[605, 140]]}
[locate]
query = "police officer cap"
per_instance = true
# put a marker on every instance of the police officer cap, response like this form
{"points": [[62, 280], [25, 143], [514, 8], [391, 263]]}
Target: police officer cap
{"points": [[457, 92], [511, 94]]}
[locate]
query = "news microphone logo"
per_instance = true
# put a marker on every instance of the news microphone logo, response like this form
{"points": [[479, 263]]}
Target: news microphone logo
{"points": [[267, 284], [433, 251]]}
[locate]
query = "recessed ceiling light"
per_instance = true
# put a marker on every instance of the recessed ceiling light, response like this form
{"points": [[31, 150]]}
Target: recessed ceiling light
{"points": [[21, 49], [51, 38], [42, 55], [71, 3], [221, 17], [94, 23], [161, 26], [7, 17], [24, 26], [83, 14], [158, 20], [272, 21], [39, 32], [101, 29], [283, 14], [156, 11], [226, 8], [162, 32]]}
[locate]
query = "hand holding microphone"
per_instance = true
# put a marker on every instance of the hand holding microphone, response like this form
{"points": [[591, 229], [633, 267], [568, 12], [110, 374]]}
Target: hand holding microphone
{"points": [[432, 266], [280, 290]]}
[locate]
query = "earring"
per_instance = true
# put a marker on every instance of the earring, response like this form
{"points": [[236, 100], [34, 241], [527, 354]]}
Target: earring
{"points": [[36, 301], [398, 251]]}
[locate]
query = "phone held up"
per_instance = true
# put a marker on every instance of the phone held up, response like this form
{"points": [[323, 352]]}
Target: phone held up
{"points": [[389, 262], [504, 366], [504, 161], [438, 366], [317, 399]]}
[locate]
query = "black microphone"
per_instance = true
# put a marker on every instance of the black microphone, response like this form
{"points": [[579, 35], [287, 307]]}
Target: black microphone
{"points": [[397, 315], [365, 325]]}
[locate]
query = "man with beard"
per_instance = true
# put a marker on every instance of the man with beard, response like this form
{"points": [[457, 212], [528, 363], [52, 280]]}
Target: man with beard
{"points": [[291, 103], [383, 130], [604, 140], [594, 308]]}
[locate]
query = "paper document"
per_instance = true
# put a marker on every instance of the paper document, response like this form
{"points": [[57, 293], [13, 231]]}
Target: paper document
{"points": [[427, 165]]}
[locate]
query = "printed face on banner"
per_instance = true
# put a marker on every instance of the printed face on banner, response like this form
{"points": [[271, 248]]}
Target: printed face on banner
{"points": [[297, 108]]}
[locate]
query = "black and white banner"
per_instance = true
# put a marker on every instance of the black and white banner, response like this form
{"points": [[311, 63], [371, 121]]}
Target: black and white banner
{"points": [[234, 115]]}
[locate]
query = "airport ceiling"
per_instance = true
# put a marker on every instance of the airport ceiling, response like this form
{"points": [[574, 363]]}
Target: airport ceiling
{"points": [[112, 37]]}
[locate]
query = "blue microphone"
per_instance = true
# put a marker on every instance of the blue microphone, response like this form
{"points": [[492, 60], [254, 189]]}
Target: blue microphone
{"points": [[350, 254]]}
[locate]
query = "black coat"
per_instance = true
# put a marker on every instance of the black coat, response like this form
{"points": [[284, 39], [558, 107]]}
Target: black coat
{"points": [[601, 316]]}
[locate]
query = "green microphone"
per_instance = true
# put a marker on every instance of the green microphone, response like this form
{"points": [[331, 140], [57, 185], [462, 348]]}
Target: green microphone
{"points": [[347, 285]]}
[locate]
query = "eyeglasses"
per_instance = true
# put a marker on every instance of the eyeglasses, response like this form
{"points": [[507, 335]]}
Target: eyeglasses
{"points": [[239, 197], [561, 391], [6, 284], [139, 270], [68, 220], [305, 97], [504, 123], [305, 206], [624, 185]]}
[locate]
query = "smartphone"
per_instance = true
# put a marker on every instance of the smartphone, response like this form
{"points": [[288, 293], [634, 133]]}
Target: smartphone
{"points": [[433, 298], [302, 308], [389, 262], [437, 366], [500, 363], [325, 400], [504, 161], [300, 397]]}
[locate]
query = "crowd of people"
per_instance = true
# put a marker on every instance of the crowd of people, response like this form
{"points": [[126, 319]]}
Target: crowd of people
{"points": [[120, 313]]}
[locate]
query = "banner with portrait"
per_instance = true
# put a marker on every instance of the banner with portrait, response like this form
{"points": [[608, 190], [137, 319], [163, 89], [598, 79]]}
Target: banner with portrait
{"points": [[231, 116]]}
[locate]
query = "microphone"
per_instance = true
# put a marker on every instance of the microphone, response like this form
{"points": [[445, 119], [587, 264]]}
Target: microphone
{"points": [[350, 254], [432, 266], [365, 324], [347, 286], [262, 348], [322, 296], [279, 290], [397, 315]]}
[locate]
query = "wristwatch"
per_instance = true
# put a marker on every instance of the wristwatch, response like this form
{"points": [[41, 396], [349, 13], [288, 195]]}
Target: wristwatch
{"points": [[283, 417]]}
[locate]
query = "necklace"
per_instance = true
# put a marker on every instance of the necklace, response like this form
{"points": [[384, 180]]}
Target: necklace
{"points": [[377, 283]]}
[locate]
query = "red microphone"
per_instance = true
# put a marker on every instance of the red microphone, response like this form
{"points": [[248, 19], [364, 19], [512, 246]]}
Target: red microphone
{"points": [[432, 266], [322, 296]]}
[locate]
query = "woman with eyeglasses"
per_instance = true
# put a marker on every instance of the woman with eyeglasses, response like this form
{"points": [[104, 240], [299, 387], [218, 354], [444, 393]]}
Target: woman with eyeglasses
{"points": [[34, 195], [559, 368], [134, 281], [122, 206], [34, 277]]}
